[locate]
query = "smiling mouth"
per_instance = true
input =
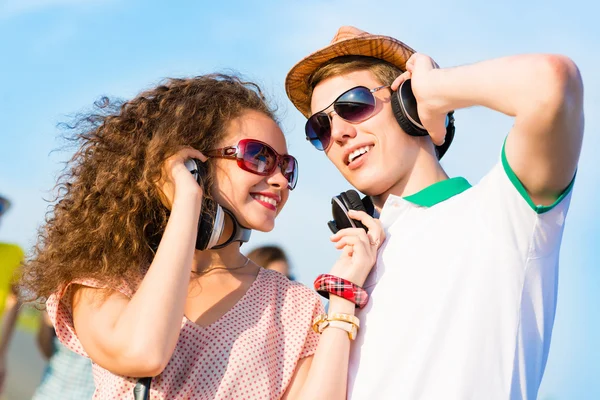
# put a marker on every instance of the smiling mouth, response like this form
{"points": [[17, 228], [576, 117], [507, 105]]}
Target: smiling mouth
{"points": [[358, 153], [265, 199]]}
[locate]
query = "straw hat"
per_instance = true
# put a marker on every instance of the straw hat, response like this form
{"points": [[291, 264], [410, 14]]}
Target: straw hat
{"points": [[348, 41]]}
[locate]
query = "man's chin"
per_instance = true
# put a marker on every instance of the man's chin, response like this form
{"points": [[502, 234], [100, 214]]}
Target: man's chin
{"points": [[369, 184]]}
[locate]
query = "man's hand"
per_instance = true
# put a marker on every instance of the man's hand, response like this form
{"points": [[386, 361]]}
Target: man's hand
{"points": [[419, 68]]}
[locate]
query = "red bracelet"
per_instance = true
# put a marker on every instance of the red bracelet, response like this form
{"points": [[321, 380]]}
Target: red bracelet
{"points": [[325, 284]]}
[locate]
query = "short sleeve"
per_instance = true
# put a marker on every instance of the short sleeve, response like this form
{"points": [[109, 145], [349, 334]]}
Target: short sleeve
{"points": [[298, 305], [539, 209], [535, 230], [59, 310], [312, 339]]}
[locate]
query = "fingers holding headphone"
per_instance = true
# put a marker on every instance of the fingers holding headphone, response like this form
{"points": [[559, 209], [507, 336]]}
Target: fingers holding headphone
{"points": [[420, 69], [372, 238], [176, 179], [416, 64], [420, 63], [359, 248], [401, 78], [375, 234], [350, 237]]}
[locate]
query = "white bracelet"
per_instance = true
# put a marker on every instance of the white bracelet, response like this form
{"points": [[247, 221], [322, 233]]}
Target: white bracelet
{"points": [[345, 326]]}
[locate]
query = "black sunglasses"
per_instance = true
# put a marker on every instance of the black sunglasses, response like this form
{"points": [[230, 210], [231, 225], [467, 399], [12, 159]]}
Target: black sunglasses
{"points": [[259, 158], [354, 105]]}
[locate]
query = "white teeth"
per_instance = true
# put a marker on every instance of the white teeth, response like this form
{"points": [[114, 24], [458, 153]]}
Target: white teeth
{"points": [[358, 152], [266, 199]]}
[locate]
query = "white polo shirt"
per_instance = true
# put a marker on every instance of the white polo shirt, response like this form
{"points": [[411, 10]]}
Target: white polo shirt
{"points": [[463, 294]]}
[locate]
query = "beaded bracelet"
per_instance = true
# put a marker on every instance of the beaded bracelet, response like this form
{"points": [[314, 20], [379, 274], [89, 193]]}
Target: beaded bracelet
{"points": [[326, 284]]}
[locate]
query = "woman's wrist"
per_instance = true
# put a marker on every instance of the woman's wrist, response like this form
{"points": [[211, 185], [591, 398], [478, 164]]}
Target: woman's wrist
{"points": [[339, 304], [183, 193], [327, 284], [358, 277], [187, 199]]}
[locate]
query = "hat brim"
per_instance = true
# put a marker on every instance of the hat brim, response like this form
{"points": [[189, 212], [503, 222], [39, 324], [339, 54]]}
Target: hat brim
{"points": [[383, 47]]}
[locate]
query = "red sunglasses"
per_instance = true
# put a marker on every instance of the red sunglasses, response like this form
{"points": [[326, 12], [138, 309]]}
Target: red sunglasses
{"points": [[259, 158]]}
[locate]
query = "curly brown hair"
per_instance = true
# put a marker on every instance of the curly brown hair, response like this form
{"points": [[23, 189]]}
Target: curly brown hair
{"points": [[107, 217]]}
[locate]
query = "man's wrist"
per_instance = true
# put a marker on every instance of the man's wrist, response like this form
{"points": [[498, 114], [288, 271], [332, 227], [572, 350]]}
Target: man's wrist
{"points": [[434, 92]]}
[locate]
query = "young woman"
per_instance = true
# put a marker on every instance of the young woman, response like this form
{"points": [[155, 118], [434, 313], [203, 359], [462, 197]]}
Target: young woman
{"points": [[133, 284]]}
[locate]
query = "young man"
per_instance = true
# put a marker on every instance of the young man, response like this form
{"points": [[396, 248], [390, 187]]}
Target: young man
{"points": [[463, 294]]}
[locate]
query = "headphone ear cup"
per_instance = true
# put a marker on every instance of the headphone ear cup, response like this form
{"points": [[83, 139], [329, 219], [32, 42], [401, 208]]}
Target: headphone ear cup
{"points": [[368, 205], [352, 201], [340, 216], [441, 150], [404, 107], [348, 200], [209, 224], [206, 224]]}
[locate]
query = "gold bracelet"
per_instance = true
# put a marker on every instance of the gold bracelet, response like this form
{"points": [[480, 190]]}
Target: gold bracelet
{"points": [[347, 322], [353, 319], [346, 326]]}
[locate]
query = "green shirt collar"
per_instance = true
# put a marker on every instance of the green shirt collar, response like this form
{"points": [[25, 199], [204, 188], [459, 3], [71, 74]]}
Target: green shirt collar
{"points": [[438, 192]]}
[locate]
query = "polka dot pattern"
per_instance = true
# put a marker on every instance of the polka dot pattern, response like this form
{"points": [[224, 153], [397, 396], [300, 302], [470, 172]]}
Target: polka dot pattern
{"points": [[251, 352]]}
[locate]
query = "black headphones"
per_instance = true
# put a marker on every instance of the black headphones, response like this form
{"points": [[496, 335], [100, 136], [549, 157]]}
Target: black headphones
{"points": [[342, 203], [404, 107], [212, 219]]}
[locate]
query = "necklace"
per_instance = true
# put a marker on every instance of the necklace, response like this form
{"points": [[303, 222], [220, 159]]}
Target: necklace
{"points": [[225, 268], [241, 266]]}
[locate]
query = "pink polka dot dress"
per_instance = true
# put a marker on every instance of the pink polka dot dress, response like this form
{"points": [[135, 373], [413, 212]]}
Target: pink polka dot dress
{"points": [[251, 352]]}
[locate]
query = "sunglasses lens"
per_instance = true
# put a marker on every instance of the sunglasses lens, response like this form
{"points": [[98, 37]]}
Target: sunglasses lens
{"points": [[259, 158], [318, 130], [289, 168], [356, 105]]}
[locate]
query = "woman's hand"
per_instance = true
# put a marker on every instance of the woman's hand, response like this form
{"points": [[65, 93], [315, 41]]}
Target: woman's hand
{"points": [[359, 248], [176, 179]]}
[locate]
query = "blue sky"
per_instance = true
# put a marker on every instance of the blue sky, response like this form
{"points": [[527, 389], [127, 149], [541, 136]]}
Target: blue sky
{"points": [[58, 56]]}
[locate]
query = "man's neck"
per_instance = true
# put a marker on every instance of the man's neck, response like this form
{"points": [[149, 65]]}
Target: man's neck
{"points": [[425, 172]]}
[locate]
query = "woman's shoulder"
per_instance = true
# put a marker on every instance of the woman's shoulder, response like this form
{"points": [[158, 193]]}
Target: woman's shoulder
{"points": [[60, 308], [277, 278], [290, 291], [64, 292]]}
